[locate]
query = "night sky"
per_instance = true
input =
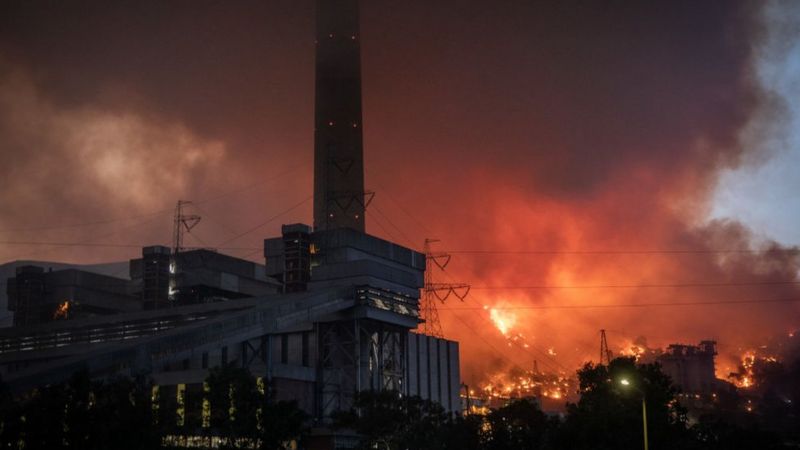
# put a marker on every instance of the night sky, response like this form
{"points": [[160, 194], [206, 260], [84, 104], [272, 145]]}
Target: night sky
{"points": [[612, 138]]}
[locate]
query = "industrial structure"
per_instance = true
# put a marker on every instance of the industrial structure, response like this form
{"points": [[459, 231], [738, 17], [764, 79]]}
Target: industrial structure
{"points": [[329, 314], [339, 197], [691, 366], [36, 296]]}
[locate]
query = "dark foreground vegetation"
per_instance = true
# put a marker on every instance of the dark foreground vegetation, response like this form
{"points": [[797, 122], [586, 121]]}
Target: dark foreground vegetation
{"points": [[235, 409], [125, 414], [608, 416]]}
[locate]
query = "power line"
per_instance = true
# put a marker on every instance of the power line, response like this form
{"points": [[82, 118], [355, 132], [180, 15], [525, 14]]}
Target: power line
{"points": [[252, 185], [211, 219], [488, 344], [385, 230], [628, 305], [546, 355], [158, 212], [71, 244], [85, 224], [491, 325], [387, 194], [405, 237], [508, 287], [639, 286], [616, 252], [111, 245], [276, 216]]}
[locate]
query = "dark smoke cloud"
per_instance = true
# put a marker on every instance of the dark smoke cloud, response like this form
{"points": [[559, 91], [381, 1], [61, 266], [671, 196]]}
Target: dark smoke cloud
{"points": [[516, 125]]}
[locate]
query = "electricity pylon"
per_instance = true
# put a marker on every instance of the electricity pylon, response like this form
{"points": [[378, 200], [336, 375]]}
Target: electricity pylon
{"points": [[433, 292], [605, 353], [181, 223]]}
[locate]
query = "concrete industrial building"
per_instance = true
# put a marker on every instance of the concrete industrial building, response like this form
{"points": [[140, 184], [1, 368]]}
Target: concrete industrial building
{"points": [[329, 314], [37, 296], [198, 276], [691, 366]]}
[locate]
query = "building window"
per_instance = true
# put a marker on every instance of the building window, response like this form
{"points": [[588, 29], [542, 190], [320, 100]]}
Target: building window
{"points": [[206, 413], [224, 358], [205, 360], [305, 349], [180, 411], [155, 399], [284, 349], [259, 411]]}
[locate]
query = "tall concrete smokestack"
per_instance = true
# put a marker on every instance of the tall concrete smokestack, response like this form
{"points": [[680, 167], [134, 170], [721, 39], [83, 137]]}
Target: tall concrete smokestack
{"points": [[339, 199]]}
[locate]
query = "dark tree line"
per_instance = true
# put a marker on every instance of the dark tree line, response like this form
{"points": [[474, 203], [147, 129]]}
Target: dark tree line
{"points": [[235, 409], [119, 414], [80, 413], [608, 416]]}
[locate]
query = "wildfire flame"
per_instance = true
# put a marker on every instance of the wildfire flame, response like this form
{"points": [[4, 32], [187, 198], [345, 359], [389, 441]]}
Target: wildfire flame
{"points": [[503, 320], [633, 349], [745, 378], [506, 385]]}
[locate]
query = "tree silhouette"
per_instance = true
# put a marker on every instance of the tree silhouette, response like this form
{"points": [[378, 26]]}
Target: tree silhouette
{"points": [[609, 417], [520, 424], [243, 413], [388, 420]]}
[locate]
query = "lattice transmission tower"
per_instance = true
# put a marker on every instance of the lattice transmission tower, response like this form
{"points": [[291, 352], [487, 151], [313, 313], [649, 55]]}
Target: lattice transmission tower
{"points": [[181, 223], [434, 293], [605, 353]]}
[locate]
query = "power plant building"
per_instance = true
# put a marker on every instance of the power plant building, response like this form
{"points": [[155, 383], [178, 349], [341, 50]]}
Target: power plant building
{"points": [[330, 313]]}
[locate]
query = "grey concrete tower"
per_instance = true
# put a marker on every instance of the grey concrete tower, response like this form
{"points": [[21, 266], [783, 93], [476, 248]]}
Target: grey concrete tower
{"points": [[339, 198]]}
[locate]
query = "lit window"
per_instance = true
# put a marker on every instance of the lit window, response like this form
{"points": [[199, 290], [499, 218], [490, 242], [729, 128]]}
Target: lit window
{"points": [[154, 402], [206, 414], [259, 411], [232, 403], [260, 385], [180, 398]]}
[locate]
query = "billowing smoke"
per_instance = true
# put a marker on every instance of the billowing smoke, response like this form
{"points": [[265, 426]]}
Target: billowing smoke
{"points": [[575, 145]]}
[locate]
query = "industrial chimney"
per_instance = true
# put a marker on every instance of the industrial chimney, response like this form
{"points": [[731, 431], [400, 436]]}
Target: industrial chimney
{"points": [[339, 198]]}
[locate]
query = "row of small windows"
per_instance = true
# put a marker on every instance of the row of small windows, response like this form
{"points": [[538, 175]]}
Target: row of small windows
{"points": [[163, 404]]}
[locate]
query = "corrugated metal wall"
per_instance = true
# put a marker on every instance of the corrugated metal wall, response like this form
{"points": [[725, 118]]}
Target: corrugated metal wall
{"points": [[433, 370]]}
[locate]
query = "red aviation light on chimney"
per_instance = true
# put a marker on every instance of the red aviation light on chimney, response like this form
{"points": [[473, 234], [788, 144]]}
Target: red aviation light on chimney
{"points": [[339, 196]]}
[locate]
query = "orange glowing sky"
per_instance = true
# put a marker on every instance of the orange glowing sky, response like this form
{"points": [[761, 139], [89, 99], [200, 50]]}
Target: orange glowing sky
{"points": [[593, 135]]}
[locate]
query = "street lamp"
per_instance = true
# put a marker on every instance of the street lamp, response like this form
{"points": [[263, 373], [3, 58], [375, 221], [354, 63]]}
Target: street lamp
{"points": [[627, 383]]}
